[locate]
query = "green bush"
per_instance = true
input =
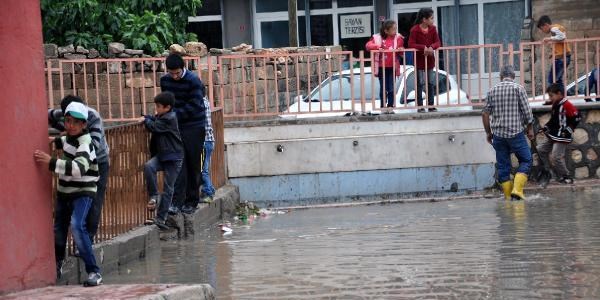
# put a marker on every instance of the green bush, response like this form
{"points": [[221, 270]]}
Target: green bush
{"points": [[140, 24]]}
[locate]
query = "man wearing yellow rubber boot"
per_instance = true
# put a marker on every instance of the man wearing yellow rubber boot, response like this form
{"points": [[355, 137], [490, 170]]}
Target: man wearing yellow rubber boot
{"points": [[511, 118]]}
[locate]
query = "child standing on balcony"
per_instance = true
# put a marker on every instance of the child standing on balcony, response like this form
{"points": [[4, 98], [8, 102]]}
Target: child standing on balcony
{"points": [[559, 133], [561, 52], [386, 65], [166, 149], [424, 38], [78, 173]]}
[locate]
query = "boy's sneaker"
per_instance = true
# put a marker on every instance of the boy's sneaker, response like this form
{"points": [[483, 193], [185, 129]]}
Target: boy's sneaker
{"points": [[94, 279], [207, 199], [544, 178], [152, 203], [161, 224], [173, 210], [566, 180], [188, 209], [433, 109], [59, 270], [421, 110]]}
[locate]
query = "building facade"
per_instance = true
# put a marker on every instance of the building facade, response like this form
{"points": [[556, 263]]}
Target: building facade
{"points": [[350, 23]]}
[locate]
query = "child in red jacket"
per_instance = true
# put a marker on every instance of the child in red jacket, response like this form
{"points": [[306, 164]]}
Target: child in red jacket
{"points": [[424, 38], [386, 65]]}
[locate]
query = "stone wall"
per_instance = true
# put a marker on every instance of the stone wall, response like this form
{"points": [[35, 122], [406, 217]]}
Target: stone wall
{"points": [[271, 80], [582, 153], [581, 20]]}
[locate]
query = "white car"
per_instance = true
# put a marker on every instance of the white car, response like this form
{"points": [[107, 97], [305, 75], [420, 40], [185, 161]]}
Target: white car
{"points": [[577, 89], [333, 96]]}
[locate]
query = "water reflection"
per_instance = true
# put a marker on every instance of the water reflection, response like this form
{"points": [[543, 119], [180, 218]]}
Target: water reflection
{"points": [[544, 248]]}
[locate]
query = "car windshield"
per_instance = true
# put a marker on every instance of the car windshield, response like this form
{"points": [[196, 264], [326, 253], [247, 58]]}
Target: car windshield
{"points": [[581, 88], [338, 87]]}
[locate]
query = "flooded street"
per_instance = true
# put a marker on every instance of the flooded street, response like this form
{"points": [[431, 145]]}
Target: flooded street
{"points": [[545, 248]]}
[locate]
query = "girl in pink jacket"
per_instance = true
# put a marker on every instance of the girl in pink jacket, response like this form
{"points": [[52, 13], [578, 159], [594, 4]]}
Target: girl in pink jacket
{"points": [[386, 65]]}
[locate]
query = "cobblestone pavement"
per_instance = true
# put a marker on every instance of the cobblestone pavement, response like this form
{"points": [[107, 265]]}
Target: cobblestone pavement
{"points": [[547, 247]]}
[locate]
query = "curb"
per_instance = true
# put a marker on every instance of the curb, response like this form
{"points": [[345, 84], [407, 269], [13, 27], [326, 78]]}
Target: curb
{"points": [[553, 189], [129, 291], [134, 244]]}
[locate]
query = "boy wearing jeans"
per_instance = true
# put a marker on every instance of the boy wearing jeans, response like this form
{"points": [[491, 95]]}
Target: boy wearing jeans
{"points": [[78, 173], [559, 133], [562, 51], [208, 190], [166, 149]]}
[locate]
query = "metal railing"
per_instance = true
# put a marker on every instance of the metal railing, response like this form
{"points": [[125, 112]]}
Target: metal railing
{"points": [[281, 83], [126, 197], [119, 89]]}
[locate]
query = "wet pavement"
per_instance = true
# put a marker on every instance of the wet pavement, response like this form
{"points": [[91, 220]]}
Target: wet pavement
{"points": [[545, 248]]}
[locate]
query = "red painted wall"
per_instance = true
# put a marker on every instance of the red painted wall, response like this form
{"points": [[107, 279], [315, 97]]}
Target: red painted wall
{"points": [[26, 237]]}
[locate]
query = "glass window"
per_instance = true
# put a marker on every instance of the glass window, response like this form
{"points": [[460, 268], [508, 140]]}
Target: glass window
{"points": [[209, 33], [271, 5], [209, 8], [503, 28], [406, 20], [468, 34], [409, 1], [302, 31], [356, 44], [321, 32], [354, 3], [275, 34], [319, 4]]}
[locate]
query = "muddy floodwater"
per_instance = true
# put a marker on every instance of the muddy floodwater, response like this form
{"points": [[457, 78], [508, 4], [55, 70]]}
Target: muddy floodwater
{"points": [[547, 247]]}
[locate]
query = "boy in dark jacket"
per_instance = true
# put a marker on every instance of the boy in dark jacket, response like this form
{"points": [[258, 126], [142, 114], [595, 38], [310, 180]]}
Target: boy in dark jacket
{"points": [[191, 117], [166, 149], [559, 133]]}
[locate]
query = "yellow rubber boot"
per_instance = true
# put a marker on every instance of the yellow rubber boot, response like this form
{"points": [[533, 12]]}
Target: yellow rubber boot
{"points": [[520, 181], [507, 188]]}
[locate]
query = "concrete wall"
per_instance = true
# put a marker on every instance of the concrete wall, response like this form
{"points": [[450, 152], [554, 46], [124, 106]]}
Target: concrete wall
{"points": [[237, 22], [339, 159], [26, 250]]}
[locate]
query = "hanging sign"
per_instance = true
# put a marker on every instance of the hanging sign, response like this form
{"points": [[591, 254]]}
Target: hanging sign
{"points": [[355, 26]]}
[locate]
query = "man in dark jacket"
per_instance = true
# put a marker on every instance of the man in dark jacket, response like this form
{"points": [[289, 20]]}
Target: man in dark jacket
{"points": [[191, 116], [166, 149]]}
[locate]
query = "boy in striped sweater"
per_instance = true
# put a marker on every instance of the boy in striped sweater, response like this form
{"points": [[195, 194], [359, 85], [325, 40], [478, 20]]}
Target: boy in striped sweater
{"points": [[77, 171]]}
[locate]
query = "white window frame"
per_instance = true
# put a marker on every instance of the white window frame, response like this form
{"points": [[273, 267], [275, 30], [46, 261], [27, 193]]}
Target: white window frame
{"points": [[334, 11], [211, 18]]}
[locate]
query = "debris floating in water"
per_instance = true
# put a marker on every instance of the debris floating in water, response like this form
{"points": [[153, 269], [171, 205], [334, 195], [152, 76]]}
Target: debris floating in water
{"points": [[226, 228]]}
